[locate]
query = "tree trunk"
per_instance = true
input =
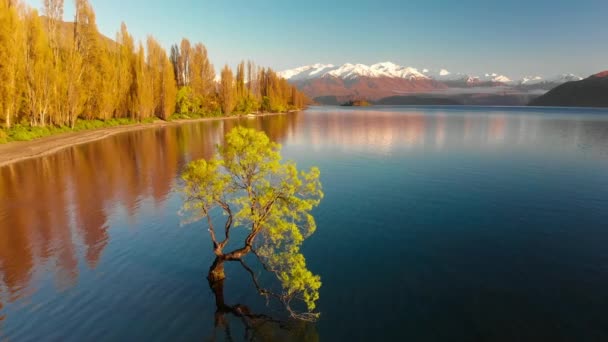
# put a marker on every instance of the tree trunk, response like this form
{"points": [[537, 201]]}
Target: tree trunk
{"points": [[216, 272], [216, 279], [220, 307], [7, 121]]}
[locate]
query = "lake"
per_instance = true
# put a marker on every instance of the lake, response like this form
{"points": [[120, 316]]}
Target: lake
{"points": [[438, 224]]}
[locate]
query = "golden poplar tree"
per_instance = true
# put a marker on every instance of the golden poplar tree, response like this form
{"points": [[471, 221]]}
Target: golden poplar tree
{"points": [[174, 56], [227, 91], [240, 81], [162, 79], [39, 70], [11, 59], [169, 94], [97, 73], [184, 63], [201, 73], [53, 11], [125, 81], [144, 85], [154, 61]]}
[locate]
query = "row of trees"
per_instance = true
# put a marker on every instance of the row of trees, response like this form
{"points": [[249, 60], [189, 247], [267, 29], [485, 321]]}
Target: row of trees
{"points": [[251, 89], [54, 73]]}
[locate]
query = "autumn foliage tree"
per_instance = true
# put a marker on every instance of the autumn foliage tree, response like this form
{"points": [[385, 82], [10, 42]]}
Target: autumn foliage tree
{"points": [[272, 200], [227, 91], [11, 59], [39, 71], [54, 73]]}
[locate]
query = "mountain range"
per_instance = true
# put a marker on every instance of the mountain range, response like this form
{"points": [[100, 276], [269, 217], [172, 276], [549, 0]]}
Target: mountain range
{"points": [[332, 84], [590, 92]]}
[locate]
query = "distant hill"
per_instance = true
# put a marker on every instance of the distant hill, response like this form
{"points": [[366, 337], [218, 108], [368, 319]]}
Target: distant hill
{"points": [[474, 99], [65, 29], [356, 103], [336, 84], [365, 87], [417, 100], [590, 92]]}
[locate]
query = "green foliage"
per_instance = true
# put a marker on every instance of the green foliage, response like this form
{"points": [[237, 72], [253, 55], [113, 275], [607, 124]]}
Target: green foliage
{"points": [[270, 198], [192, 106], [24, 132], [3, 137], [187, 102], [246, 104]]}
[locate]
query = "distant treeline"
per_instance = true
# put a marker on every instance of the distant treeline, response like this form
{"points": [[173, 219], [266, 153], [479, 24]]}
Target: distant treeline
{"points": [[54, 73]]}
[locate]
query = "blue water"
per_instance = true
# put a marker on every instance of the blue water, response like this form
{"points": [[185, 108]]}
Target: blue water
{"points": [[438, 224]]}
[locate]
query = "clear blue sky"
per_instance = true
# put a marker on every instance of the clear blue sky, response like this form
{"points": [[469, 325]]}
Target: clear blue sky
{"points": [[513, 37]]}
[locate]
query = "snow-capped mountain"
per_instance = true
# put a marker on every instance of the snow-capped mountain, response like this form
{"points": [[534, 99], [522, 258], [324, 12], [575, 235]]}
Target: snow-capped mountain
{"points": [[495, 78], [563, 78], [559, 79], [530, 80], [541, 83], [381, 80], [445, 75], [306, 72], [589, 92], [351, 71]]}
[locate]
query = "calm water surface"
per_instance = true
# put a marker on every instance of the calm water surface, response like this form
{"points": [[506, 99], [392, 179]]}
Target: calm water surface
{"points": [[462, 224]]}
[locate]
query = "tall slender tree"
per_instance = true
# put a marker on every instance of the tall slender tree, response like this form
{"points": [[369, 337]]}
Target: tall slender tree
{"points": [[227, 91], [53, 11], [145, 87], [240, 81], [169, 89], [174, 56], [184, 63], [201, 72], [11, 59], [39, 70], [125, 82]]}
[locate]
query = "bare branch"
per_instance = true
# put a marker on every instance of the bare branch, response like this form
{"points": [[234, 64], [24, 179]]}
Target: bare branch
{"points": [[260, 289], [228, 223], [212, 232]]}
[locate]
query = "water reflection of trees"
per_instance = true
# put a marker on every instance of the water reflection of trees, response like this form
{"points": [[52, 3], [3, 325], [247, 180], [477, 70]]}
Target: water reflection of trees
{"points": [[54, 205], [255, 326]]}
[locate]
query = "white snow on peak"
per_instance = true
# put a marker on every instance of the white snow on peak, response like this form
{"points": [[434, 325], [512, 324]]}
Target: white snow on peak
{"points": [[562, 78], [530, 80], [494, 77], [350, 71], [444, 72], [389, 69], [305, 72], [445, 75]]}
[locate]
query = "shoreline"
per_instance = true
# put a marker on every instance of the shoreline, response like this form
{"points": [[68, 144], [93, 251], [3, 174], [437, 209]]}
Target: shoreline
{"points": [[16, 151]]}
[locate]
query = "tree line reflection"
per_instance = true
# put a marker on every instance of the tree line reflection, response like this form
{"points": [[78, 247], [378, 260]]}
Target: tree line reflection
{"points": [[52, 207]]}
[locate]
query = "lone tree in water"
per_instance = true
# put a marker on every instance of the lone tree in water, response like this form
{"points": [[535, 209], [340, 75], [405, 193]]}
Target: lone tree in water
{"points": [[255, 190]]}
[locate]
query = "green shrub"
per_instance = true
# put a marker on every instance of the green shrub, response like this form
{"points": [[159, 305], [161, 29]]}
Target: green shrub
{"points": [[3, 136], [24, 132]]}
